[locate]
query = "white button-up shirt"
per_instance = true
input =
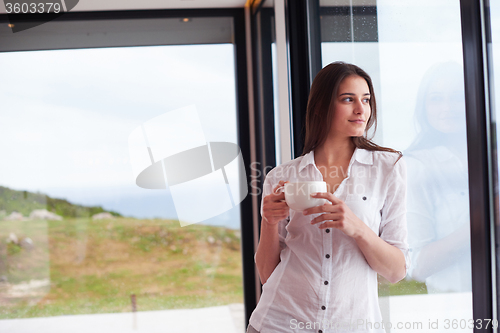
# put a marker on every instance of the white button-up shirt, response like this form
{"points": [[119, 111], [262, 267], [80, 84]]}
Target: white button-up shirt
{"points": [[323, 282]]}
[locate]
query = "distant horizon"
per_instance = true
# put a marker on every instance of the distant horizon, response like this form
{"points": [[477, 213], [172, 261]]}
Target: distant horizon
{"points": [[143, 209]]}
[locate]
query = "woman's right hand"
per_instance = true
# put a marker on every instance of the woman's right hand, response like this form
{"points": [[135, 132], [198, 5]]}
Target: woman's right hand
{"points": [[274, 207]]}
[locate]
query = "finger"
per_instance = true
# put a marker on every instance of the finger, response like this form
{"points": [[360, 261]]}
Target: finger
{"points": [[278, 205], [327, 207], [275, 197], [325, 225], [325, 217], [326, 195], [330, 224], [277, 211], [280, 186], [279, 216], [277, 188]]}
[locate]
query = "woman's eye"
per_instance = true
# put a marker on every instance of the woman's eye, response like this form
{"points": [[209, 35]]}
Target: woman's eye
{"points": [[367, 100], [348, 99]]}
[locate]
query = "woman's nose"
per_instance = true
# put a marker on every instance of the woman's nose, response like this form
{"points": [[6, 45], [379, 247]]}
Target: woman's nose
{"points": [[359, 107]]}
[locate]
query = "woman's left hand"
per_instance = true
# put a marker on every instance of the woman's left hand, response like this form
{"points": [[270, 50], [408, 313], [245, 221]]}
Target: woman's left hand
{"points": [[336, 214]]}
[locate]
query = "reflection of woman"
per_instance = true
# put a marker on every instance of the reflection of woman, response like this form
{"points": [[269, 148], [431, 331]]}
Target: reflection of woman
{"points": [[438, 215], [319, 267]]}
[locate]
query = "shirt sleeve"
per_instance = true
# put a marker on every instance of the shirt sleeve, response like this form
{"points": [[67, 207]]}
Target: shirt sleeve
{"points": [[393, 228]]}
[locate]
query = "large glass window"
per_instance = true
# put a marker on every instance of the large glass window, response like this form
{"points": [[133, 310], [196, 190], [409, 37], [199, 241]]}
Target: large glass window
{"points": [[413, 52], [81, 233]]}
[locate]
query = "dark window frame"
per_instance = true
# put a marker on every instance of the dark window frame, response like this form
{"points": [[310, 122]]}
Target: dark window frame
{"points": [[481, 157]]}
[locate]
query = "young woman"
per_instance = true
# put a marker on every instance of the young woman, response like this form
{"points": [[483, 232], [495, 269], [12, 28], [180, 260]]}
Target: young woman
{"points": [[319, 267]]}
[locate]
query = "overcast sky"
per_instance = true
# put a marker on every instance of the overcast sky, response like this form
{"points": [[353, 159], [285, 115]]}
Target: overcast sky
{"points": [[67, 114]]}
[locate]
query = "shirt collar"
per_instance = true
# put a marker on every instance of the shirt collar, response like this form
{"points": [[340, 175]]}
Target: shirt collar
{"points": [[364, 156], [306, 160], [361, 155]]}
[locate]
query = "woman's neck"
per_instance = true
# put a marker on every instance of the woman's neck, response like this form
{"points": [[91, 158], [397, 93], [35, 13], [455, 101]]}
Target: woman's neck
{"points": [[334, 152]]}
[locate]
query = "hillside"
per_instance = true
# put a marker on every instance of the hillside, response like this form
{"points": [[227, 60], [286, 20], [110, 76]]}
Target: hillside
{"points": [[82, 266], [25, 202]]}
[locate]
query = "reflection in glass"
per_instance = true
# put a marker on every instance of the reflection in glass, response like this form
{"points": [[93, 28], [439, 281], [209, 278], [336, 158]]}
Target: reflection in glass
{"points": [[438, 210]]}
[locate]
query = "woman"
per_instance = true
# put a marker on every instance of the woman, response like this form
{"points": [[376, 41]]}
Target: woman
{"points": [[438, 209], [319, 267]]}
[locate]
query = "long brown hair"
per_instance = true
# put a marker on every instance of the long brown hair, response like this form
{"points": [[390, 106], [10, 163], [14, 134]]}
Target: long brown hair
{"points": [[320, 107]]}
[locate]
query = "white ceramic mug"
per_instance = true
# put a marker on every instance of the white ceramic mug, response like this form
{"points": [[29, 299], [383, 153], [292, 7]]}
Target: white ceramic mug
{"points": [[298, 195]]}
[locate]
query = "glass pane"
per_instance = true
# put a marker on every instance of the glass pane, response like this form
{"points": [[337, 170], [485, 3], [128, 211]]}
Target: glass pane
{"points": [[412, 50], [78, 236]]}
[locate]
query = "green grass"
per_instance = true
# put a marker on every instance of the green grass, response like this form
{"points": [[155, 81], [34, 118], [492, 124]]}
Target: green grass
{"points": [[403, 287], [95, 266]]}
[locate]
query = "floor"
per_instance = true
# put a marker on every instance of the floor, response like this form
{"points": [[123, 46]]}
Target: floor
{"points": [[219, 319], [413, 313]]}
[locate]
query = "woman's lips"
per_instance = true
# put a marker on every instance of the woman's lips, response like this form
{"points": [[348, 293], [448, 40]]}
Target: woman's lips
{"points": [[357, 121]]}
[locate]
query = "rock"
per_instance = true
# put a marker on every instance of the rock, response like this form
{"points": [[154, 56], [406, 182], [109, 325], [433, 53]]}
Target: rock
{"points": [[43, 214], [12, 238], [102, 216], [15, 216], [210, 239], [33, 288], [27, 243]]}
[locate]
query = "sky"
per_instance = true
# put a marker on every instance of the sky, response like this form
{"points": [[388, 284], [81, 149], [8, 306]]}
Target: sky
{"points": [[67, 115]]}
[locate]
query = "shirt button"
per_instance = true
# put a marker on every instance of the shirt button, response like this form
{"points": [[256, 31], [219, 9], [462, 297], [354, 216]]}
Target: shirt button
{"points": [[326, 282], [327, 256], [327, 230], [323, 307]]}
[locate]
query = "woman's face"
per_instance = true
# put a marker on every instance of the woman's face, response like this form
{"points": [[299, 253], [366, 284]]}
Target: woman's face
{"points": [[445, 105], [351, 107]]}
